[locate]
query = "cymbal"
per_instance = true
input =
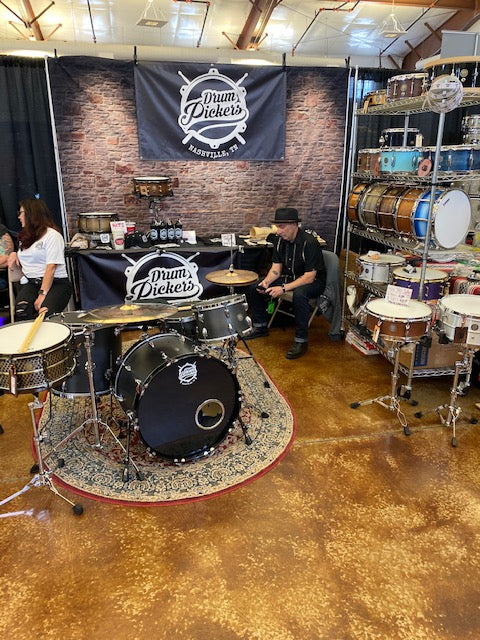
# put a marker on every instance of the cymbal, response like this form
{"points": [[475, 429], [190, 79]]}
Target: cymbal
{"points": [[128, 313], [233, 278]]}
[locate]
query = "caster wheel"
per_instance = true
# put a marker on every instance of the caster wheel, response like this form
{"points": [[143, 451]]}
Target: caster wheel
{"points": [[454, 442], [414, 403], [139, 475], [77, 509], [404, 392], [34, 468], [1, 429], [407, 431], [419, 414]]}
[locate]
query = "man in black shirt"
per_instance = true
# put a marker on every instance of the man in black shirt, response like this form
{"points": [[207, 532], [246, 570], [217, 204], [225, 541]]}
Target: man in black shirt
{"points": [[297, 266]]}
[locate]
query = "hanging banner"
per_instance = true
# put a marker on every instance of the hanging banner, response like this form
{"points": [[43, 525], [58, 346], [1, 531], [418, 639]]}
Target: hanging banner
{"points": [[191, 111]]}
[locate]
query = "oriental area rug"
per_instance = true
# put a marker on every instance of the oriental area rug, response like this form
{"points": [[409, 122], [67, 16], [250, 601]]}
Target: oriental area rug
{"points": [[89, 457]]}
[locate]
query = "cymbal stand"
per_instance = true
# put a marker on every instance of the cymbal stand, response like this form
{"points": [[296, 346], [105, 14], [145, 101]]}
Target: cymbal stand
{"points": [[42, 478], [390, 401], [454, 410], [94, 420]]}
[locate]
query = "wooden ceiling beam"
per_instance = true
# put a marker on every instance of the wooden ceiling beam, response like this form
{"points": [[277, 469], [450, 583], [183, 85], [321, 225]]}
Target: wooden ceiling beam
{"points": [[441, 4]]}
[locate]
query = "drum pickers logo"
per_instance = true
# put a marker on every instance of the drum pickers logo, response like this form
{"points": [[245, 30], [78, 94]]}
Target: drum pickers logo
{"points": [[165, 275], [213, 111], [187, 373]]}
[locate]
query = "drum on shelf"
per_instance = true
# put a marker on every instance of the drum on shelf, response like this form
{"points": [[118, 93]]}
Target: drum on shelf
{"points": [[471, 129], [95, 222], [433, 286], [374, 99], [387, 206], [451, 214], [152, 186], [353, 200], [459, 318], [452, 158], [222, 318], [394, 138], [106, 350], [369, 202], [397, 322], [400, 160], [48, 360], [368, 161], [466, 69], [185, 400], [377, 268], [409, 85]]}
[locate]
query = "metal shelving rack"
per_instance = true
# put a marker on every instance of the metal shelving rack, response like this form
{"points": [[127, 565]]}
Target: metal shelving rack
{"points": [[405, 108]]}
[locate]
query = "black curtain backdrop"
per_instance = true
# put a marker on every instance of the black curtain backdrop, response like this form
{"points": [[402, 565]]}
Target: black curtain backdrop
{"points": [[27, 161]]}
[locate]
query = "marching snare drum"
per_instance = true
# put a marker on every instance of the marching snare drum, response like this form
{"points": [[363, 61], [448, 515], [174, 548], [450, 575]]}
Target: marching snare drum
{"points": [[377, 268], [368, 204], [397, 322], [368, 161], [394, 138], [353, 200], [465, 69], [184, 399], [48, 359], [222, 318], [105, 347], [408, 85], [95, 222], [451, 215], [152, 186], [434, 282], [459, 316], [400, 160]]}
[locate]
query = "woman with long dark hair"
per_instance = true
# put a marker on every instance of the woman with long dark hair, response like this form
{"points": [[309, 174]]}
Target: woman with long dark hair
{"points": [[41, 255]]}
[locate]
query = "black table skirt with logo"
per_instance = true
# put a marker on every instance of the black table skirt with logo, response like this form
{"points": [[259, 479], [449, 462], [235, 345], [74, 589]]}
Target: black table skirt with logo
{"points": [[105, 278]]}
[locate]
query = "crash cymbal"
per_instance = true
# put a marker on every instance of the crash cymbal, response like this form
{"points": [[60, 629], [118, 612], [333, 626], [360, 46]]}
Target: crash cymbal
{"points": [[237, 277], [128, 313]]}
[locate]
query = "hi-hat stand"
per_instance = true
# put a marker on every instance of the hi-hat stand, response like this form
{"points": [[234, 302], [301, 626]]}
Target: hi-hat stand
{"points": [[42, 478], [391, 400], [453, 409]]}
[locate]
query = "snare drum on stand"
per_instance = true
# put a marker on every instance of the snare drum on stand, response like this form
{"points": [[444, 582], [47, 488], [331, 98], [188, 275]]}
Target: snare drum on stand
{"points": [[152, 186]]}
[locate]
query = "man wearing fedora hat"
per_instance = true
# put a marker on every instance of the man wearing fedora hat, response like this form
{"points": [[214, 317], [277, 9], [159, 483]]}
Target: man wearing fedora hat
{"points": [[297, 266]]}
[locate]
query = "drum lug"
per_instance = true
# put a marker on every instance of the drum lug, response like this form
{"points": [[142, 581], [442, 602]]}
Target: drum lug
{"points": [[204, 333]]}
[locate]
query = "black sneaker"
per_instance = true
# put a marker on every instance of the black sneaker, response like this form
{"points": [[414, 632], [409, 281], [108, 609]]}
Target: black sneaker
{"points": [[296, 350], [257, 332]]}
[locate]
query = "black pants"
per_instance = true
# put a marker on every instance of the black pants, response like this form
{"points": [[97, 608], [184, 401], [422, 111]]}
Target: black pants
{"points": [[56, 299], [301, 306]]}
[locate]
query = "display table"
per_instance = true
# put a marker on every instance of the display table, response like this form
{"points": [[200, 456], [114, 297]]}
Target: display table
{"points": [[108, 277]]}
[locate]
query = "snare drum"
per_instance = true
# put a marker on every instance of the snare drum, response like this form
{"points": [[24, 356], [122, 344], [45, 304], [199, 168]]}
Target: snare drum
{"points": [[48, 359], [456, 158], [434, 282], [400, 160], [451, 215], [471, 129], [95, 222], [409, 85], [387, 205], [394, 138], [374, 98], [377, 269], [152, 186], [397, 322], [353, 200], [459, 316], [368, 204], [465, 69], [222, 318], [368, 161]]}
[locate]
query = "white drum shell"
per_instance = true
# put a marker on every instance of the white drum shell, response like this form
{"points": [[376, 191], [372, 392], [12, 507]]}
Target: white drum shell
{"points": [[377, 269], [460, 311]]}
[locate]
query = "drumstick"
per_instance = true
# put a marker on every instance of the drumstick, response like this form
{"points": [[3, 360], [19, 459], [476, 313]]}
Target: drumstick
{"points": [[32, 332]]}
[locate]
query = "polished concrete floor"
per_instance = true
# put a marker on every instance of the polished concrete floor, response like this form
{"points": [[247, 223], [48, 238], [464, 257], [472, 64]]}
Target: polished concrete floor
{"points": [[360, 532]]}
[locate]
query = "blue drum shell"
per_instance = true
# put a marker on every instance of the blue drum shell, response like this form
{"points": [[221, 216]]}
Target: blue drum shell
{"points": [[400, 160]]}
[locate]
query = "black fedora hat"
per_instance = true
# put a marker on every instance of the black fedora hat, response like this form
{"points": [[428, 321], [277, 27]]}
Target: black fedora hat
{"points": [[286, 214]]}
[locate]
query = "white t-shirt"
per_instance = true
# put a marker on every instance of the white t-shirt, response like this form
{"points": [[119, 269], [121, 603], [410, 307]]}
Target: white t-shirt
{"points": [[49, 249]]}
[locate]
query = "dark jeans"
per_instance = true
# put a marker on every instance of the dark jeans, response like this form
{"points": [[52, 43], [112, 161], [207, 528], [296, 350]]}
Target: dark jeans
{"points": [[301, 306], [56, 299]]}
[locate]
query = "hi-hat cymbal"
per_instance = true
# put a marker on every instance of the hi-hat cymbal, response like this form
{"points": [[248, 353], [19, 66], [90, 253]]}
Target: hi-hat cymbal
{"points": [[233, 278], [128, 313]]}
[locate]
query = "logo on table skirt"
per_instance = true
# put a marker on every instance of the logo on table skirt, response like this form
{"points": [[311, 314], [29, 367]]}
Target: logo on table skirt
{"points": [[213, 112], [165, 275]]}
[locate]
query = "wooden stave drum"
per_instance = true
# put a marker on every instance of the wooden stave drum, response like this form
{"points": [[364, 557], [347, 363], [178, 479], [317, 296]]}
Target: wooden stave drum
{"points": [[95, 222], [387, 206], [368, 203], [353, 200], [397, 322], [152, 186]]}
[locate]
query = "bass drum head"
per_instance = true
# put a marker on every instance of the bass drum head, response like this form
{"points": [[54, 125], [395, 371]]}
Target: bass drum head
{"points": [[452, 213], [186, 400]]}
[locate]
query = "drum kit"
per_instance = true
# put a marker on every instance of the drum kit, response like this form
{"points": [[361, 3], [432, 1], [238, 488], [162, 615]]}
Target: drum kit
{"points": [[178, 388]]}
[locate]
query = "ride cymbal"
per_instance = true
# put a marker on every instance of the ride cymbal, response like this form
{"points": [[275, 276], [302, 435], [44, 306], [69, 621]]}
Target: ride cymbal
{"points": [[129, 313], [231, 278]]}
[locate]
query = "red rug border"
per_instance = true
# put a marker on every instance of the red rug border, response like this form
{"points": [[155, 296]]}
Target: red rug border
{"points": [[166, 503]]}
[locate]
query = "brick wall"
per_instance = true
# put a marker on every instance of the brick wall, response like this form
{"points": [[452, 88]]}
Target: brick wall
{"points": [[94, 110]]}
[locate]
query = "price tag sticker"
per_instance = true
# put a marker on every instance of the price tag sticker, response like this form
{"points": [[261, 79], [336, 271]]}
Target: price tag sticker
{"points": [[398, 295], [376, 331], [228, 239]]}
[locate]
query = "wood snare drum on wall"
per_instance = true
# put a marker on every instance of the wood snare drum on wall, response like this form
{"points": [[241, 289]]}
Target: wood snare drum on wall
{"points": [[397, 322], [353, 198], [152, 186], [453, 158], [466, 69], [409, 85]]}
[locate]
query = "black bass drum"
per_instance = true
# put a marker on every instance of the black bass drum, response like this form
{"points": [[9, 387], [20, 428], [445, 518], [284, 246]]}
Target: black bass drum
{"points": [[185, 400]]}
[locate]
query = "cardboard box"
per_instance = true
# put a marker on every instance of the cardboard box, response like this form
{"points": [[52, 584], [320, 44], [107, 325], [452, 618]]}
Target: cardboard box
{"points": [[438, 356]]}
